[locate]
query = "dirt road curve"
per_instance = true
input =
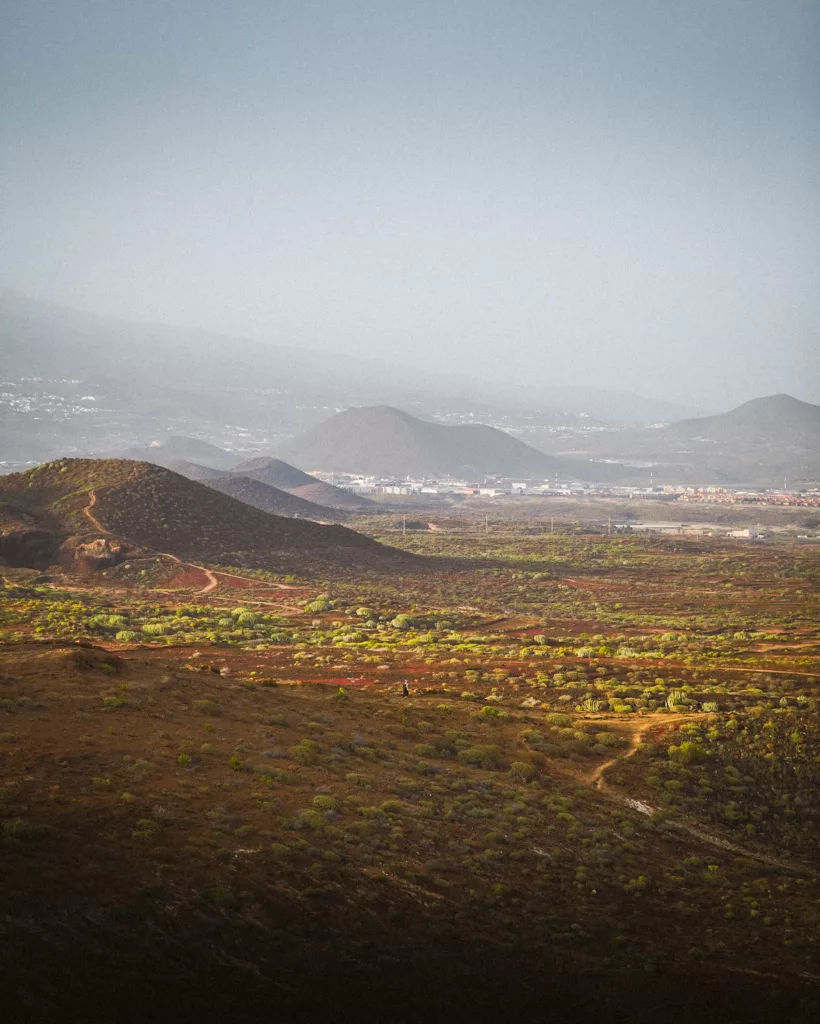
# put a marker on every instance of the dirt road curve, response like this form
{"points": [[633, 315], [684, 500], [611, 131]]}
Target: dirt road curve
{"points": [[211, 576]]}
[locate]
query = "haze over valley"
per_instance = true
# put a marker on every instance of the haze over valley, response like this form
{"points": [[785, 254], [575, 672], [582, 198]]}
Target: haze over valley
{"points": [[81, 385]]}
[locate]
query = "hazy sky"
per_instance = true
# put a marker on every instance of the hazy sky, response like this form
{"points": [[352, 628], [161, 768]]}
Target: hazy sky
{"points": [[617, 193]]}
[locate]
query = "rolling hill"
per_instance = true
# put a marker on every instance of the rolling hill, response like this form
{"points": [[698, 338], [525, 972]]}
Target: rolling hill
{"points": [[285, 477], [758, 443], [272, 499], [379, 440], [61, 507]]}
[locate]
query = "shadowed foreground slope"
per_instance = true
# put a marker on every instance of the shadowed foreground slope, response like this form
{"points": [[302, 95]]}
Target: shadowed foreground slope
{"points": [[179, 845]]}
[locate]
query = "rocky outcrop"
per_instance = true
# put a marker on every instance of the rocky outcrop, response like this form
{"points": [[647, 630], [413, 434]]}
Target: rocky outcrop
{"points": [[100, 553]]}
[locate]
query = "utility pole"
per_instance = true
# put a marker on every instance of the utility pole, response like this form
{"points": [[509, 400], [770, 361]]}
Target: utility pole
{"points": [[486, 524], [404, 526], [609, 526], [552, 524]]}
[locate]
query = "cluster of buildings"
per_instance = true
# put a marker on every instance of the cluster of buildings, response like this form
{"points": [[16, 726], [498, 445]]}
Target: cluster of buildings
{"points": [[724, 496], [496, 487], [691, 530], [491, 487]]}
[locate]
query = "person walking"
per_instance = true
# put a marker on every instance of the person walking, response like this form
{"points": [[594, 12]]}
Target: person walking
{"points": [[405, 689]]}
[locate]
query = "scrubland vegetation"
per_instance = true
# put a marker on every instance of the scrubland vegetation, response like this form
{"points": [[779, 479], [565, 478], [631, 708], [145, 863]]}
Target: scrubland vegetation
{"points": [[604, 780]]}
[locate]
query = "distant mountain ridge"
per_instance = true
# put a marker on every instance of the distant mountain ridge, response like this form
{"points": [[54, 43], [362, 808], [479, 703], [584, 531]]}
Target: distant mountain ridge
{"points": [[773, 420], [290, 490], [82, 384]]}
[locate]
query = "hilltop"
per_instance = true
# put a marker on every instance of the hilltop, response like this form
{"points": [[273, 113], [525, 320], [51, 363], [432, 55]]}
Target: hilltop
{"points": [[279, 474], [758, 443], [380, 440], [776, 420], [73, 503]]}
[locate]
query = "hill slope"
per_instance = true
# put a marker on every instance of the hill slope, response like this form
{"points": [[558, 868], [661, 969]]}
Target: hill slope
{"points": [[758, 443], [285, 477], [380, 440], [191, 470], [271, 499], [776, 421], [150, 507]]}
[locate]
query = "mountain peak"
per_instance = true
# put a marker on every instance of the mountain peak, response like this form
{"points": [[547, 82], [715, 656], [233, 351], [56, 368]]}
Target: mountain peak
{"points": [[381, 440]]}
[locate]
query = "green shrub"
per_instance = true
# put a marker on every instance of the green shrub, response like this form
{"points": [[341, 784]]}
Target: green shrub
{"points": [[522, 770], [487, 757], [325, 803], [305, 752], [687, 753], [155, 629]]}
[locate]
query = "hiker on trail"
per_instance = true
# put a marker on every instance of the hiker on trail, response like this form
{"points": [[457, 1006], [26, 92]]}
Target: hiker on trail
{"points": [[405, 689]]}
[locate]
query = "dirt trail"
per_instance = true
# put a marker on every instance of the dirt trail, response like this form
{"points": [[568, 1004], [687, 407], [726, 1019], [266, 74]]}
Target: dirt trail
{"points": [[251, 579], [92, 501], [210, 575], [598, 781], [212, 583]]}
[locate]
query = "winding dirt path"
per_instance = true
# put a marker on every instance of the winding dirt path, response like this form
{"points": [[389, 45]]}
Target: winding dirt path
{"points": [[598, 781], [92, 501], [210, 575], [212, 583]]}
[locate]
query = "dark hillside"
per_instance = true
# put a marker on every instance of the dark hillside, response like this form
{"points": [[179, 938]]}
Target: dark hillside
{"points": [[271, 499], [154, 508], [276, 473], [192, 470]]}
